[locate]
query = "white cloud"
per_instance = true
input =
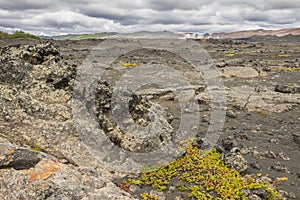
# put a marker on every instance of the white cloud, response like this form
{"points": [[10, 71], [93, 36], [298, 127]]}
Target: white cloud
{"points": [[63, 16]]}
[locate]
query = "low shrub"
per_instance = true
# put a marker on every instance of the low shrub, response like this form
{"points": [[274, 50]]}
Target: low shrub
{"points": [[203, 175]]}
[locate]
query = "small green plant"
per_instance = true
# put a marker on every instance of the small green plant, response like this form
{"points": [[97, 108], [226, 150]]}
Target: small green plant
{"points": [[205, 176]]}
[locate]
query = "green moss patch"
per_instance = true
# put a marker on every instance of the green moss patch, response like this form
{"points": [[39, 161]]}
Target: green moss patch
{"points": [[203, 175]]}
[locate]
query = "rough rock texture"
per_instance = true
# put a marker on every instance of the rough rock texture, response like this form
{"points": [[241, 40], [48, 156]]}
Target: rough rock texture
{"points": [[236, 161], [19, 159], [139, 109], [293, 89], [30, 174], [35, 112], [232, 156], [35, 104]]}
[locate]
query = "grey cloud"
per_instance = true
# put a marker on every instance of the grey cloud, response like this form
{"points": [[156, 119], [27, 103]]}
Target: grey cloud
{"points": [[280, 5], [171, 5], [63, 16], [272, 16], [125, 17], [16, 5]]}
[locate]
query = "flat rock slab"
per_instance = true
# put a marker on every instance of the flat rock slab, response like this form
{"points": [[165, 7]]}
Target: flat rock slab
{"points": [[241, 72], [256, 99]]}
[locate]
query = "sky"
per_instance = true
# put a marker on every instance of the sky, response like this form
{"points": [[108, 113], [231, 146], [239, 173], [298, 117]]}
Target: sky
{"points": [[57, 17]]}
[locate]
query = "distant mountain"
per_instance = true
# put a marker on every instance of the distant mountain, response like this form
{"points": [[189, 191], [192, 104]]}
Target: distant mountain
{"points": [[148, 34], [258, 32]]}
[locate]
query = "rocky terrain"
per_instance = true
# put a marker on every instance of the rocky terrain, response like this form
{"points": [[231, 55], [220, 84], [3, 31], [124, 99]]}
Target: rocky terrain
{"points": [[42, 155]]}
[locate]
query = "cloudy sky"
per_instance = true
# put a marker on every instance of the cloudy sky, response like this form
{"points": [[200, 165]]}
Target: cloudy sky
{"points": [[54, 17]]}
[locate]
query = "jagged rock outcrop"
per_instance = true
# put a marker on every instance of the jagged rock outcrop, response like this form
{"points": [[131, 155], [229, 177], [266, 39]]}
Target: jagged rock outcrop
{"points": [[35, 114], [41, 155], [140, 110]]}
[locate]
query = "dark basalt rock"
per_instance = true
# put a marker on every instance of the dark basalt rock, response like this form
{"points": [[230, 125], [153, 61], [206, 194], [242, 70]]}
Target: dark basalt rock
{"points": [[21, 65], [296, 138], [139, 109], [229, 143], [292, 89], [20, 159], [38, 54]]}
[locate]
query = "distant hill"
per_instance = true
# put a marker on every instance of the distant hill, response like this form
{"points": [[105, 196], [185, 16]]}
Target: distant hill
{"points": [[82, 36], [140, 34], [258, 32], [17, 35], [272, 38]]}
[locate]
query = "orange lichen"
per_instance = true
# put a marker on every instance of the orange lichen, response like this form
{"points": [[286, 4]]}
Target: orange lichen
{"points": [[43, 186], [86, 177], [43, 171], [10, 151], [32, 176], [282, 178]]}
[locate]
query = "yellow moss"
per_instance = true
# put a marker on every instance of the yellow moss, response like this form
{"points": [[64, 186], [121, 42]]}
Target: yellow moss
{"points": [[147, 196], [283, 55], [289, 69], [128, 64], [203, 174], [35, 148], [265, 113]]}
